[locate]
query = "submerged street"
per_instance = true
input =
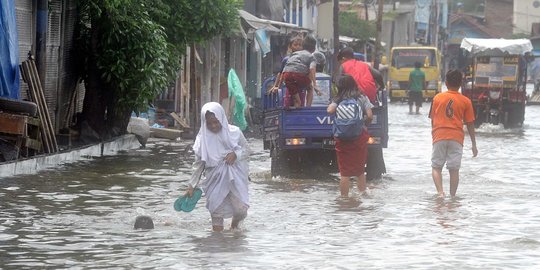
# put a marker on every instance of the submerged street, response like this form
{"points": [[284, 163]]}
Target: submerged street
{"points": [[81, 215]]}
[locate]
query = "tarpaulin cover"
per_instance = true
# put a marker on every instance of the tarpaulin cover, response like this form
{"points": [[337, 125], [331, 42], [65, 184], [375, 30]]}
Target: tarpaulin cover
{"points": [[236, 91], [494, 45], [9, 51], [423, 11], [264, 41]]}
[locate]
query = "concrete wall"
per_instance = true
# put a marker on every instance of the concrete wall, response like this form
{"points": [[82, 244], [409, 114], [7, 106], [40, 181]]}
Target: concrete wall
{"points": [[325, 27], [498, 17], [43, 162], [525, 14], [403, 31]]}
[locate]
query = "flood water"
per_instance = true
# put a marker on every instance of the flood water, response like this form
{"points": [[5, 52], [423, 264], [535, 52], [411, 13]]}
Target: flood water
{"points": [[81, 216]]}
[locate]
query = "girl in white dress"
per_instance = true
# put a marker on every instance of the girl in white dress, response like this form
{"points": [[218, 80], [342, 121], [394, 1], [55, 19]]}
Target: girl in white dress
{"points": [[222, 149]]}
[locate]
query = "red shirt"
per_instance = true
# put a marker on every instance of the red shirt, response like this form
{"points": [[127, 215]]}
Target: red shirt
{"points": [[362, 76]]}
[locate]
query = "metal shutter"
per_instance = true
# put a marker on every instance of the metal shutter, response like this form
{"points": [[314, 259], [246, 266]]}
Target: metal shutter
{"points": [[26, 35]]}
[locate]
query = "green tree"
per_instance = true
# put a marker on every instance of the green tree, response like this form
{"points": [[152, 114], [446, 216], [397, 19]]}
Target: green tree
{"points": [[350, 25], [132, 51]]}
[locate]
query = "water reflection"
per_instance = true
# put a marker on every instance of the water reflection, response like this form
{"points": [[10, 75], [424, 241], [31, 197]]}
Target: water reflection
{"points": [[446, 211], [224, 242], [351, 204], [81, 216]]}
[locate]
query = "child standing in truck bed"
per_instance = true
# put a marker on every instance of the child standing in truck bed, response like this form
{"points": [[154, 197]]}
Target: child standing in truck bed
{"points": [[295, 44], [299, 72]]}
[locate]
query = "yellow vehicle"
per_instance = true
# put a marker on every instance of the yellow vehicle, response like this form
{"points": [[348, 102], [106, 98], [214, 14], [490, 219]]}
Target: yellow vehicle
{"points": [[402, 61]]}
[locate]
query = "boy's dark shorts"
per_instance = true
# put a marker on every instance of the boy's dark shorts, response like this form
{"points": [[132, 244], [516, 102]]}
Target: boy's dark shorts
{"points": [[416, 97]]}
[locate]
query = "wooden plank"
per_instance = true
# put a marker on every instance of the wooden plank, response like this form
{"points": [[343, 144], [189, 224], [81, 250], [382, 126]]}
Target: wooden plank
{"points": [[45, 136], [33, 96], [41, 94], [179, 120], [41, 97], [186, 107], [34, 121], [33, 144], [165, 133], [13, 124]]}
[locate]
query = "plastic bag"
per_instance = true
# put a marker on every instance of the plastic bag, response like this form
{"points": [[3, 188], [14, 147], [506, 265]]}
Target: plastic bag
{"points": [[236, 91]]}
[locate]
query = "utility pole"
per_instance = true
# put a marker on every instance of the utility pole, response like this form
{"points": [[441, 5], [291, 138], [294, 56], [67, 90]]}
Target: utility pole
{"points": [[378, 37], [336, 36], [366, 3], [393, 29], [436, 24]]}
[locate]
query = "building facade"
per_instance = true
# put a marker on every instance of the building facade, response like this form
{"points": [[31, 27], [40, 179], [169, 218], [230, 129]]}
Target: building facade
{"points": [[526, 12]]}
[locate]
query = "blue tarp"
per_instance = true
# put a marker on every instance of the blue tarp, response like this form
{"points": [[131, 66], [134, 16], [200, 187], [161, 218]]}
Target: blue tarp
{"points": [[9, 51], [263, 40], [360, 56]]}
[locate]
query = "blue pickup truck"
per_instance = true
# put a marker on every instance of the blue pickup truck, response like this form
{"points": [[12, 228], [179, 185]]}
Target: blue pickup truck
{"points": [[301, 139]]}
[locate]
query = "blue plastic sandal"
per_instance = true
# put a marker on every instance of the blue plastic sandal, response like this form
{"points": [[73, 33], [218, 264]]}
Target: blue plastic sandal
{"points": [[187, 204]]}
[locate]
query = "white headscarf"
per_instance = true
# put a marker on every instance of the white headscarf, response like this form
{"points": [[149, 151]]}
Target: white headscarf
{"points": [[213, 147]]}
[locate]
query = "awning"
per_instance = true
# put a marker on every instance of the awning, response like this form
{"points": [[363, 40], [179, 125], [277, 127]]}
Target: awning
{"points": [[493, 45], [256, 23], [347, 39]]}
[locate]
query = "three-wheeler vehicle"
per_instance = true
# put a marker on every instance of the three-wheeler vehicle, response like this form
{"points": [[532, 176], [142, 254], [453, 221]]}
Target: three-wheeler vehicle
{"points": [[498, 79], [300, 140]]}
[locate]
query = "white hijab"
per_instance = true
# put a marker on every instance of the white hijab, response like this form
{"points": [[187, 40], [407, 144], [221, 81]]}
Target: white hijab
{"points": [[213, 147]]}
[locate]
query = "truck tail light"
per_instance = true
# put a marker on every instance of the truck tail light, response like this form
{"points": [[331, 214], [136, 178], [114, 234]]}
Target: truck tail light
{"points": [[374, 140], [295, 141]]}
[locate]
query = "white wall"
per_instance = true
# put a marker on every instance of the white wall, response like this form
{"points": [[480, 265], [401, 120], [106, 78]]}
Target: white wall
{"points": [[325, 27], [525, 14]]}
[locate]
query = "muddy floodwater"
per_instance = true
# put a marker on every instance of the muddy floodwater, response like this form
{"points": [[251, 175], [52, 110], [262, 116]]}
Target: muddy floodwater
{"points": [[81, 216]]}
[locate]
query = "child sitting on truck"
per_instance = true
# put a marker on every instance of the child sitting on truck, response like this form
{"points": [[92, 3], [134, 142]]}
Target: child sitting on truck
{"points": [[299, 72]]}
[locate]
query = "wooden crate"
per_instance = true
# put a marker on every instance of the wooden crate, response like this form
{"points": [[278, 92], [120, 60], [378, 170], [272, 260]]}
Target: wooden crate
{"points": [[22, 130]]}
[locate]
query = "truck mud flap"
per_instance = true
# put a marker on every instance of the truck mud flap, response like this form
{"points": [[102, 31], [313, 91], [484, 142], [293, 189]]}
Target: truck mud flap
{"points": [[375, 166]]}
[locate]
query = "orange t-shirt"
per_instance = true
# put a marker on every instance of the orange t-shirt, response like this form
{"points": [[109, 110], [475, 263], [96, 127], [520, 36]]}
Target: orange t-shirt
{"points": [[449, 110]]}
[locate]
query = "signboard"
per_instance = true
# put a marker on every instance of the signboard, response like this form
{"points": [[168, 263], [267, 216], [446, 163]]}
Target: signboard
{"points": [[496, 71]]}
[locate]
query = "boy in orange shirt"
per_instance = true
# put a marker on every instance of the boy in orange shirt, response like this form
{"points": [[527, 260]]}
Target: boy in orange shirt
{"points": [[449, 110]]}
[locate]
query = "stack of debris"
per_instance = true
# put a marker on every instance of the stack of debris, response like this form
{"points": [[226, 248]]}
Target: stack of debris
{"points": [[35, 92], [25, 126]]}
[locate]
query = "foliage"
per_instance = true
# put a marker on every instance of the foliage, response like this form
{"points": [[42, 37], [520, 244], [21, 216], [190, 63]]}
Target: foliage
{"points": [[468, 6], [390, 15], [137, 44], [520, 35], [350, 25]]}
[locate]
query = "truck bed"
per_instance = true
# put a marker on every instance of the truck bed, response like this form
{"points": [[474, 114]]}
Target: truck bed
{"points": [[303, 135], [314, 126]]}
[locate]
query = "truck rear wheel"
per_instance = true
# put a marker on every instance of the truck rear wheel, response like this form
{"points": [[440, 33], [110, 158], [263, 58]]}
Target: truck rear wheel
{"points": [[375, 166]]}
